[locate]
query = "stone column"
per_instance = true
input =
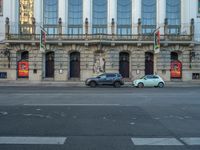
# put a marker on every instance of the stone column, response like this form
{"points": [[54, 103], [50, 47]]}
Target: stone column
{"points": [[166, 29], [7, 28], [192, 29], [113, 27], [60, 28], [139, 29], [33, 28], [86, 26]]}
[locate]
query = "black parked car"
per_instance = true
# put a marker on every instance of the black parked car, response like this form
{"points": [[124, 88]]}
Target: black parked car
{"points": [[114, 79]]}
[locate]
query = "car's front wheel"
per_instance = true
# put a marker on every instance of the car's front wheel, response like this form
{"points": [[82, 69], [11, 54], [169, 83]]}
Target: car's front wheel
{"points": [[160, 85], [93, 84], [117, 84], [140, 85]]}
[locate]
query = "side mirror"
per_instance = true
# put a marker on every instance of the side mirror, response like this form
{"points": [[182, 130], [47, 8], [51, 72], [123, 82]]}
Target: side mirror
{"points": [[145, 78]]}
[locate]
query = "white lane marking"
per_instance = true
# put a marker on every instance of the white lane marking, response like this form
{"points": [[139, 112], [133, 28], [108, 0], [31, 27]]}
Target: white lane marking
{"points": [[33, 140], [191, 140], [156, 141], [71, 104]]}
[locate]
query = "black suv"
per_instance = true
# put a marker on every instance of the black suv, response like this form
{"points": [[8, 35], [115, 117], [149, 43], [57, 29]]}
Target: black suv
{"points": [[114, 79]]}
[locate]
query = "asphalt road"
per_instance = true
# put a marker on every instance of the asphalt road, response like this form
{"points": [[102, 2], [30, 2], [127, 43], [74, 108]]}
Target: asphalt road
{"points": [[81, 118]]}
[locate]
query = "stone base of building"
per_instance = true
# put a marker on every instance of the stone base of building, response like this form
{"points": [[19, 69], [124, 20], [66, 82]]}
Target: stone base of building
{"points": [[78, 62]]}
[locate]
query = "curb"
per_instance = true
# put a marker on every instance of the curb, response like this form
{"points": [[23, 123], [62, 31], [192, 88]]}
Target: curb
{"points": [[82, 84]]}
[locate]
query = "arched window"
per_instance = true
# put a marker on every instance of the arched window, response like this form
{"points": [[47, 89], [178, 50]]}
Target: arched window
{"points": [[50, 16], [148, 16], [99, 16], [75, 16], [124, 17], [173, 15]]}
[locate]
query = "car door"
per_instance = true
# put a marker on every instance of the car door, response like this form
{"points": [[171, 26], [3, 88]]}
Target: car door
{"points": [[102, 79], [156, 80], [148, 81], [110, 78]]}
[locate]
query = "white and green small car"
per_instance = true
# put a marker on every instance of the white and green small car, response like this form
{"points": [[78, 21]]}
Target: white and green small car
{"points": [[149, 81]]}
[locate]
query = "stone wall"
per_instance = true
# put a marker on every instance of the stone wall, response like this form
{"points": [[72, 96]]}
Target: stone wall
{"points": [[87, 58]]}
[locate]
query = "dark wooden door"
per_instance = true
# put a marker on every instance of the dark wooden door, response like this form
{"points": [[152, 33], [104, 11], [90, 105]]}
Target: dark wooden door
{"points": [[75, 65], [149, 63], [49, 65], [124, 64]]}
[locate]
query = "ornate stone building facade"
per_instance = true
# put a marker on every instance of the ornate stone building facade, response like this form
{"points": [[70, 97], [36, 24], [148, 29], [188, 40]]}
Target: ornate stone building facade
{"points": [[116, 40]]}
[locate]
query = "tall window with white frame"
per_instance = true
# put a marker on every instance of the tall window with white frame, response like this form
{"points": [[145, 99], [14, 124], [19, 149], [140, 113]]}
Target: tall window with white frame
{"points": [[1, 7], [75, 17], [173, 15], [124, 15], [50, 18], [148, 16], [99, 17]]}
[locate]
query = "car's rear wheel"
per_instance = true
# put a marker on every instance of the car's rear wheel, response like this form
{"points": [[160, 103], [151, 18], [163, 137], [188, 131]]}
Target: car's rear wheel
{"points": [[117, 84], [160, 85], [93, 84], [140, 85]]}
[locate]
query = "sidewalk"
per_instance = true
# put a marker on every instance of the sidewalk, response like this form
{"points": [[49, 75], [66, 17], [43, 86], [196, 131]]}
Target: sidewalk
{"points": [[82, 84]]}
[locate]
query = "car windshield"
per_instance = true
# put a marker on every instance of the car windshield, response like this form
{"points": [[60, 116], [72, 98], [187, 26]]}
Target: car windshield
{"points": [[142, 77]]}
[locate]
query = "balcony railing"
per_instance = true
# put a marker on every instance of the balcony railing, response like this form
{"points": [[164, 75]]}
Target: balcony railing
{"points": [[183, 32]]}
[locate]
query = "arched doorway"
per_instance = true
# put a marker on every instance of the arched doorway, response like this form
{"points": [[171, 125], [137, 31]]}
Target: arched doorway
{"points": [[49, 65], [23, 64], [175, 66], [124, 64], [149, 63], [75, 65]]}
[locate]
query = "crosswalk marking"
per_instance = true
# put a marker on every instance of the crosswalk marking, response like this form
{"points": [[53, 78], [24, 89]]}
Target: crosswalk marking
{"points": [[33, 140], [191, 140], [156, 141]]}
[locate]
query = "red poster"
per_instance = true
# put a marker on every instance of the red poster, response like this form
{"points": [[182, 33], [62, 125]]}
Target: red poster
{"points": [[23, 69], [176, 69]]}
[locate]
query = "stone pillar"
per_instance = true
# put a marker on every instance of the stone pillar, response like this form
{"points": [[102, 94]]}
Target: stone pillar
{"points": [[7, 28], [113, 27], [166, 29], [192, 29], [139, 28], [33, 28], [86, 28], [60, 28]]}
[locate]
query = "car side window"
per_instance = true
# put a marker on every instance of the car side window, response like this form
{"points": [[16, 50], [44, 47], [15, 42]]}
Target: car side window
{"points": [[102, 76], [110, 75], [148, 77], [155, 77], [119, 75]]}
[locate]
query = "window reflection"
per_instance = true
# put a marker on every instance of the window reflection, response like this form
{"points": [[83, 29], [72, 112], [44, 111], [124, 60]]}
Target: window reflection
{"points": [[75, 16], [99, 16], [1, 7], [173, 14], [124, 17], [50, 16], [148, 16], [25, 15]]}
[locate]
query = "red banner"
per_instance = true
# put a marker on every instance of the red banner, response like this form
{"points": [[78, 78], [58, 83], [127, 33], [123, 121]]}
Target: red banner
{"points": [[23, 69]]}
